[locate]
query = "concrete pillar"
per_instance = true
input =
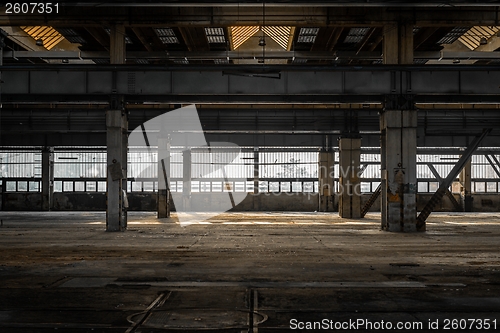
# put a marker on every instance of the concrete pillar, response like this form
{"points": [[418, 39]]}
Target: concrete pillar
{"points": [[47, 177], [2, 194], [398, 142], [117, 144], [383, 167], [256, 176], [325, 181], [398, 44], [115, 212], [349, 184], [466, 186], [186, 180], [399, 170], [125, 168], [163, 176], [117, 44]]}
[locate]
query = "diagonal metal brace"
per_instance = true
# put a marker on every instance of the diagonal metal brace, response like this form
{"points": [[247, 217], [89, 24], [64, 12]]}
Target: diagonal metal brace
{"points": [[362, 169], [372, 200], [495, 159], [436, 198], [493, 165], [454, 201]]}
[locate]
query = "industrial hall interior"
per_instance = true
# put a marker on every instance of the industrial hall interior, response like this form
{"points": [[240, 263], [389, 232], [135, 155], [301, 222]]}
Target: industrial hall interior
{"points": [[249, 166]]}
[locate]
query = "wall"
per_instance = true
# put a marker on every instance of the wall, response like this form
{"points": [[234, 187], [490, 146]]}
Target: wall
{"points": [[444, 206], [486, 203], [22, 201], [92, 201], [376, 205], [298, 202], [96, 201], [145, 201]]}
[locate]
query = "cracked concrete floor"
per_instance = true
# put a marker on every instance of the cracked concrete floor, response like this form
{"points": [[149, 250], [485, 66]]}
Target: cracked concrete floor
{"points": [[244, 272]]}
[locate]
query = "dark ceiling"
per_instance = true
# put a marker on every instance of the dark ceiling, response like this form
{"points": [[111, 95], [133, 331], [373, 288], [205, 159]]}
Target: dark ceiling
{"points": [[201, 32]]}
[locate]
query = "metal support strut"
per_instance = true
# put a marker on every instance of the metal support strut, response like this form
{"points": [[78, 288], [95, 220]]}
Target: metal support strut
{"points": [[450, 196], [372, 200], [443, 187]]}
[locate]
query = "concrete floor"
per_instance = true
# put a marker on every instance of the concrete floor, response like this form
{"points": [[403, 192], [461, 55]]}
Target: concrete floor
{"points": [[245, 272]]}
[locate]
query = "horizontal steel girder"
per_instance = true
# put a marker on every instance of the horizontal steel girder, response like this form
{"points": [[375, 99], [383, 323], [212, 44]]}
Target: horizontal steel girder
{"points": [[250, 84], [244, 54], [294, 127]]}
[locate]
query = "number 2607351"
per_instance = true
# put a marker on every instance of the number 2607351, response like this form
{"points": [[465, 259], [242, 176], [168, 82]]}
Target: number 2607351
{"points": [[31, 8]]}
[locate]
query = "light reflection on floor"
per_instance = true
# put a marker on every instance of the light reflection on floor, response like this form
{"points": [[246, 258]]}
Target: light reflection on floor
{"points": [[291, 218]]}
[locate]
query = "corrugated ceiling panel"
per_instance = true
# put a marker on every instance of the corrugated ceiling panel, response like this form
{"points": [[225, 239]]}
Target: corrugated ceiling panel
{"points": [[49, 35], [280, 34], [472, 38], [240, 34]]}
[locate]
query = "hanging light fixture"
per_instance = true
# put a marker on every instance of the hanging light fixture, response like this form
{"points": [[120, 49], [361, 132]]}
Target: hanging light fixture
{"points": [[483, 41], [262, 41]]}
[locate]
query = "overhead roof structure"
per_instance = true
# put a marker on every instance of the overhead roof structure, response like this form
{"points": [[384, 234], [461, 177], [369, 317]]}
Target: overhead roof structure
{"points": [[196, 32], [357, 60], [222, 40]]}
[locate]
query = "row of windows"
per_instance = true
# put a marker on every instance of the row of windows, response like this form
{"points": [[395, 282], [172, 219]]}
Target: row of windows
{"points": [[87, 170], [271, 165], [175, 186], [144, 165], [228, 186]]}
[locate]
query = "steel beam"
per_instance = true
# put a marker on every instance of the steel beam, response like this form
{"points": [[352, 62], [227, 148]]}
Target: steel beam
{"points": [[495, 159], [450, 196], [74, 126], [493, 165], [66, 125], [244, 54], [375, 195], [250, 84], [436, 198]]}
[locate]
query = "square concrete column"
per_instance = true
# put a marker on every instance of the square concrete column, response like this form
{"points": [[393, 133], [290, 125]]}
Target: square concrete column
{"points": [[398, 44], [125, 168], [466, 186], [117, 44], [47, 177], [326, 175], [163, 176], [116, 210], [117, 145], [399, 170], [349, 184], [186, 180]]}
